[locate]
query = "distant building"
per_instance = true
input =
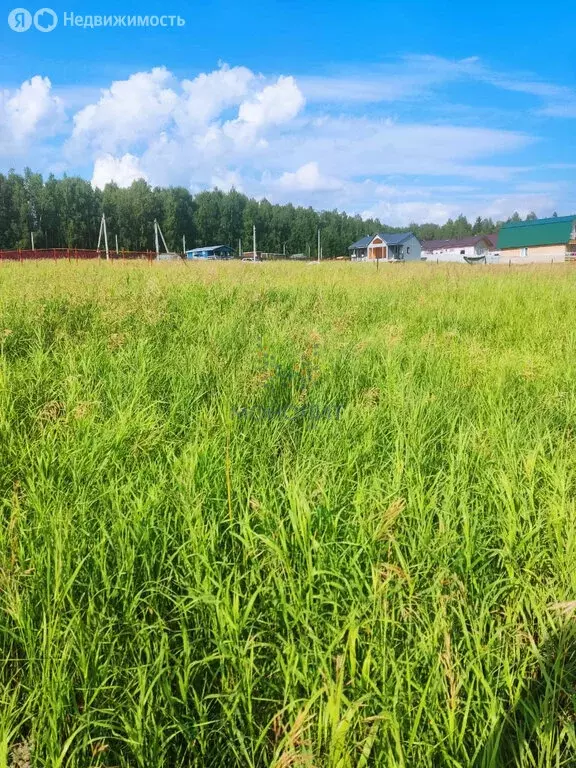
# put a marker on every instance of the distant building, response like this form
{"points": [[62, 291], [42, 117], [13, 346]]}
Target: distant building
{"points": [[211, 252], [539, 240], [474, 247], [386, 247]]}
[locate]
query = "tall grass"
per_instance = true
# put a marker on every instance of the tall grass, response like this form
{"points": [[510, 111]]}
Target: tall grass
{"points": [[197, 569]]}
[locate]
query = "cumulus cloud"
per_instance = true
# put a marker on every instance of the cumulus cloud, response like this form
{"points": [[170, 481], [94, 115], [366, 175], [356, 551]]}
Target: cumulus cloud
{"points": [[204, 97], [27, 110], [273, 105], [181, 129], [129, 112], [308, 178], [121, 170]]}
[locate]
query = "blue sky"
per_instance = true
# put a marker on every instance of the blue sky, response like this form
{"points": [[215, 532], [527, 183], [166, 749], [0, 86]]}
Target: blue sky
{"points": [[412, 111]]}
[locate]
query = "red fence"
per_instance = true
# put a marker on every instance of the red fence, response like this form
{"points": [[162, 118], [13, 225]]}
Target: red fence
{"points": [[71, 254]]}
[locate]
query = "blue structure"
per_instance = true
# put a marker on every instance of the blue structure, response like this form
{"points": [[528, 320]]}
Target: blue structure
{"points": [[212, 252]]}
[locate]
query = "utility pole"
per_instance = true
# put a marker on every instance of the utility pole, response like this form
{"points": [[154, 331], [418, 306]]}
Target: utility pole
{"points": [[184, 244], [116, 245], [254, 240], [32, 238], [105, 237], [156, 243], [239, 247]]}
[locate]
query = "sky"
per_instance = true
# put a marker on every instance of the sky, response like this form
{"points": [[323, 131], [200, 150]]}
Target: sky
{"points": [[411, 112]]}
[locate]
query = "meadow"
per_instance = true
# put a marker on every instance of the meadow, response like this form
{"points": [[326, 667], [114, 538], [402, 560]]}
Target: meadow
{"points": [[286, 515]]}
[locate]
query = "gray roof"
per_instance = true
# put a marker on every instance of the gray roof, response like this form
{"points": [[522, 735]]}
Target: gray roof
{"points": [[362, 243], [388, 237], [396, 239]]}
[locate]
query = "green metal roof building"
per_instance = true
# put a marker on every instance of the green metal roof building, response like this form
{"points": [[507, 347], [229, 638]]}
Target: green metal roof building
{"points": [[539, 233]]}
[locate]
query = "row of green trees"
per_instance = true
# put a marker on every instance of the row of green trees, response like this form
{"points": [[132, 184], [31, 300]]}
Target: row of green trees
{"points": [[66, 213]]}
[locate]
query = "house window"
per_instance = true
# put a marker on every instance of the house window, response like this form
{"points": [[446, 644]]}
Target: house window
{"points": [[408, 250], [462, 252], [524, 252]]}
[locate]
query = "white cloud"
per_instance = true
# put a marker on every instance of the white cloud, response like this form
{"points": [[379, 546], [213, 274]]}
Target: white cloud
{"points": [[273, 105], [408, 78], [347, 146], [417, 77], [505, 205], [26, 111], [121, 170], [402, 212], [309, 179], [559, 100], [180, 129], [225, 179], [559, 109], [207, 95], [130, 111]]}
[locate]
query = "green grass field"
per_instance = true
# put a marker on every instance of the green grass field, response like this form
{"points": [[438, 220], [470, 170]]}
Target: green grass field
{"points": [[281, 515]]}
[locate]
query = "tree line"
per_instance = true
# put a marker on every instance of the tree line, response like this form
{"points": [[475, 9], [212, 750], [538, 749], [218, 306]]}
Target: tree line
{"points": [[66, 213]]}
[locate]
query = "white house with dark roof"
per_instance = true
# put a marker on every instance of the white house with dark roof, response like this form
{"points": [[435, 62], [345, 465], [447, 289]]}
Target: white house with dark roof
{"points": [[472, 248], [385, 246]]}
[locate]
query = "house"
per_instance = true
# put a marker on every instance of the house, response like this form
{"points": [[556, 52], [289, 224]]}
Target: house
{"points": [[473, 248], [387, 247], [212, 252], [539, 240]]}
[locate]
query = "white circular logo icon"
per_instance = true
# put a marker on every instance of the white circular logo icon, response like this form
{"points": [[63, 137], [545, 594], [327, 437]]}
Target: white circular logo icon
{"points": [[45, 20], [20, 20]]}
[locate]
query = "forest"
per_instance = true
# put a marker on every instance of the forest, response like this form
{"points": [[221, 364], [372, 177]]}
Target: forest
{"points": [[66, 213]]}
